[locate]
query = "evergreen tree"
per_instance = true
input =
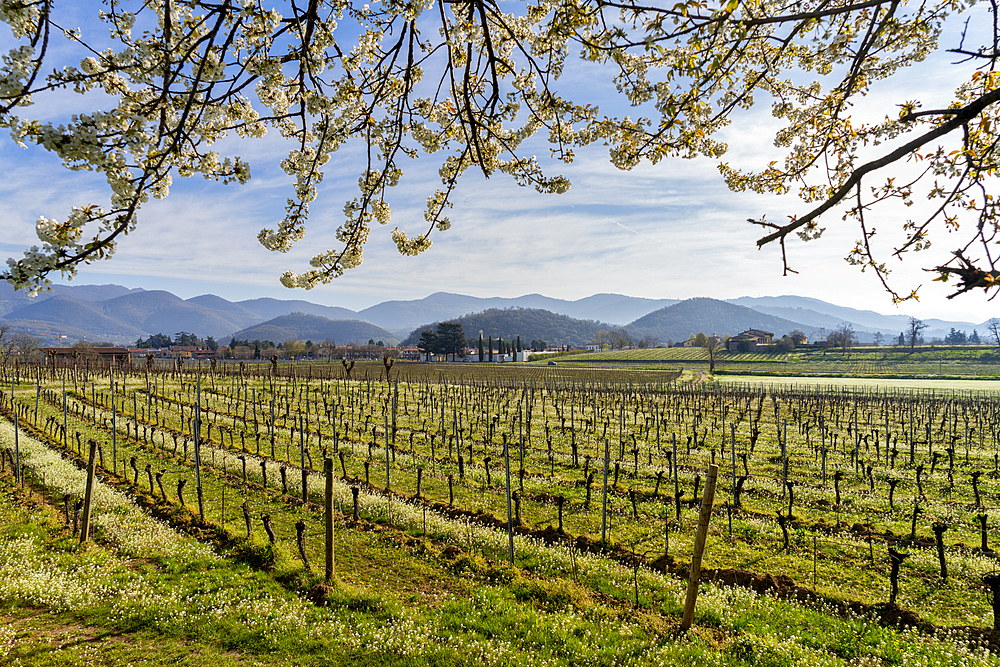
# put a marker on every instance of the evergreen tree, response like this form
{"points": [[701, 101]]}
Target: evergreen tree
{"points": [[451, 338], [428, 343]]}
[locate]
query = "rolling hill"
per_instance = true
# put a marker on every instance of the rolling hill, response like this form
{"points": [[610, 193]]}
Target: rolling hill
{"points": [[675, 323], [237, 314], [79, 315], [302, 326], [528, 323]]}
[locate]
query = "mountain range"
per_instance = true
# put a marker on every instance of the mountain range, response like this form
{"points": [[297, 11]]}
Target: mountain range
{"points": [[614, 309], [118, 314]]}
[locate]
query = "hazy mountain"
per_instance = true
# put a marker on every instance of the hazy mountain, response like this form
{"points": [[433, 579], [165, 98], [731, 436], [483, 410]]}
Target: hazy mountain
{"points": [[53, 334], [119, 314], [616, 308], [11, 300], [822, 314], [440, 306], [267, 308], [239, 315], [409, 314], [192, 318], [81, 315], [158, 311], [528, 323], [92, 292], [138, 306], [129, 315], [711, 316], [302, 326]]}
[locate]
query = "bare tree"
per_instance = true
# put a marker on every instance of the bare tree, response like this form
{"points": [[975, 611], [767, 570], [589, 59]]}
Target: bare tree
{"points": [[649, 341], [843, 336], [879, 339], [913, 335], [712, 345], [25, 346], [6, 343], [620, 339], [993, 326]]}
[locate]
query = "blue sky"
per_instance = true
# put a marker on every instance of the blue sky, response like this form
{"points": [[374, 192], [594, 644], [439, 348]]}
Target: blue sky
{"points": [[669, 230]]}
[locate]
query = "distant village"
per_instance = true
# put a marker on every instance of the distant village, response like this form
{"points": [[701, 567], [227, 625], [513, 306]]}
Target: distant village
{"points": [[192, 349]]}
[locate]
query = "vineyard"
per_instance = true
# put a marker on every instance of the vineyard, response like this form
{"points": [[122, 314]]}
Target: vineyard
{"points": [[858, 362], [868, 512]]}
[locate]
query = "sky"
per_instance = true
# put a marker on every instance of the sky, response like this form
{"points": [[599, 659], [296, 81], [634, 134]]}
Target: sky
{"points": [[671, 230]]}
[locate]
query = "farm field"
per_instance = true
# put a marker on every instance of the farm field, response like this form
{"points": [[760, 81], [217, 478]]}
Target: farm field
{"points": [[888, 362], [605, 470], [865, 383]]}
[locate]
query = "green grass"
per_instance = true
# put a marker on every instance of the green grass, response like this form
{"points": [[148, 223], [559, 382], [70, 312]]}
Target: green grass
{"points": [[394, 568], [120, 611], [935, 363]]}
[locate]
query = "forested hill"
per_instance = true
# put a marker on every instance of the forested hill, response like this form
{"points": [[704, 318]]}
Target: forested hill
{"points": [[528, 323]]}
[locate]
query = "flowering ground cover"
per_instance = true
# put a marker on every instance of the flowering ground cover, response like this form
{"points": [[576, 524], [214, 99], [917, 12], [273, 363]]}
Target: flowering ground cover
{"points": [[423, 572]]}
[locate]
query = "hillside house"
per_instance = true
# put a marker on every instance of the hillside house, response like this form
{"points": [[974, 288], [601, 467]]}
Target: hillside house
{"points": [[750, 340], [191, 352]]}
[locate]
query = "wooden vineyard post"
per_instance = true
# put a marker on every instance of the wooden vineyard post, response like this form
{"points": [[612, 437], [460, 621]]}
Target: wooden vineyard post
{"points": [[197, 451], [732, 452], [604, 497], [17, 450], [677, 488], [333, 425], [65, 432], [89, 493], [387, 487], [822, 448], [510, 525], [302, 461], [699, 546], [784, 458], [328, 507], [114, 436]]}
